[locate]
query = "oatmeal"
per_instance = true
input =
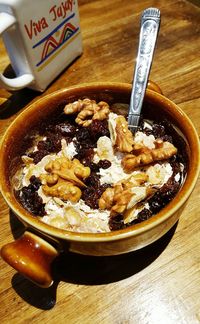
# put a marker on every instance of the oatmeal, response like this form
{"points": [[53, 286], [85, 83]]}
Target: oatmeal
{"points": [[87, 172]]}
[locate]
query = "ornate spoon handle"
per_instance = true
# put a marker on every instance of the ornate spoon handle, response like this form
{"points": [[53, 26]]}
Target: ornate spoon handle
{"points": [[150, 23]]}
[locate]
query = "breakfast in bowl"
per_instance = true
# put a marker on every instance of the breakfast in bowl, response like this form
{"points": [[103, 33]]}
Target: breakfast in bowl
{"points": [[81, 181], [85, 171]]}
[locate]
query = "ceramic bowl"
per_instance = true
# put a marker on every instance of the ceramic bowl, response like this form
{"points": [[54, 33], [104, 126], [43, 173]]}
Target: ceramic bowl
{"points": [[33, 253]]}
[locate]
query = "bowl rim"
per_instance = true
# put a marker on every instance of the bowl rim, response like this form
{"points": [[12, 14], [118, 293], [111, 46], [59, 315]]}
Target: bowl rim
{"points": [[133, 230]]}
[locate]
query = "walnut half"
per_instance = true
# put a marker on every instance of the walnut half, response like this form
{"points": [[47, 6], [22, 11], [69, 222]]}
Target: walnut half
{"points": [[124, 137], [121, 136], [64, 190], [64, 178], [88, 110], [125, 194], [162, 152]]}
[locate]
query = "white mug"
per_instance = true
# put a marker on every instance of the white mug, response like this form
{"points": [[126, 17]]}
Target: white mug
{"points": [[42, 37]]}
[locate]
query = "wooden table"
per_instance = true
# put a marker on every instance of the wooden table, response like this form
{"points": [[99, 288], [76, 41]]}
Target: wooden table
{"points": [[161, 283]]}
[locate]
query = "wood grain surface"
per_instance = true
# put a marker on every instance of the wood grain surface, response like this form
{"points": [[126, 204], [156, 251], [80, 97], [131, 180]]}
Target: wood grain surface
{"points": [[158, 284]]}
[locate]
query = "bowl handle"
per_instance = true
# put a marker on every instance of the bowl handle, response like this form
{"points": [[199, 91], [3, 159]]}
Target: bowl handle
{"points": [[32, 256], [153, 86]]}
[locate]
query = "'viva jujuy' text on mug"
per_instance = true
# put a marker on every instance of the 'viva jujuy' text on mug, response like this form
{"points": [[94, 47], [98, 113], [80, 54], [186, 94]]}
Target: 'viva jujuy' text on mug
{"points": [[41, 37]]}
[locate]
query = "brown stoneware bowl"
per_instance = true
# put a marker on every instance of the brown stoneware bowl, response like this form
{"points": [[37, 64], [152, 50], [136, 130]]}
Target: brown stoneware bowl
{"points": [[33, 253]]}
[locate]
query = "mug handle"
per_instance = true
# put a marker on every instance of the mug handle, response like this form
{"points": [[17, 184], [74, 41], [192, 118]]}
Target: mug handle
{"points": [[32, 256], [6, 21]]}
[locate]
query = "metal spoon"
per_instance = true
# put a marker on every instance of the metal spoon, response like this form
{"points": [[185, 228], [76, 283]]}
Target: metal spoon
{"points": [[150, 23]]}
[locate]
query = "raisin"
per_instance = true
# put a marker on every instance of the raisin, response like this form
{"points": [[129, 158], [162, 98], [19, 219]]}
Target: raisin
{"points": [[163, 196], [167, 138], [85, 156], [50, 145], [144, 215], [104, 164], [37, 156], [84, 141], [175, 165], [116, 223], [35, 182], [158, 130], [93, 166], [54, 142], [91, 195], [88, 153], [99, 128], [82, 134], [45, 145], [30, 199], [93, 180]]}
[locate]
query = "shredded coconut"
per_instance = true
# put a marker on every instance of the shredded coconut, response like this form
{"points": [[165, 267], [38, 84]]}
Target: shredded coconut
{"points": [[69, 150], [143, 139], [114, 173], [79, 216]]}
